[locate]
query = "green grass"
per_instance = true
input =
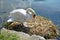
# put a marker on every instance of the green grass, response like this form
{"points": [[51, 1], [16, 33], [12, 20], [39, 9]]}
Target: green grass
{"points": [[8, 36]]}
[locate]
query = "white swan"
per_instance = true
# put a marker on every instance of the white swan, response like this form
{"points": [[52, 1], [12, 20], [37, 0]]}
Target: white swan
{"points": [[21, 15]]}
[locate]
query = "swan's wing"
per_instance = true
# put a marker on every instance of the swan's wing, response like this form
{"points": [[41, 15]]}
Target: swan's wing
{"points": [[19, 10], [18, 16]]}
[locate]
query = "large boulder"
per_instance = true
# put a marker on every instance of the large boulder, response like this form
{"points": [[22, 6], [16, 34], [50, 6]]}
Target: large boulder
{"points": [[14, 35]]}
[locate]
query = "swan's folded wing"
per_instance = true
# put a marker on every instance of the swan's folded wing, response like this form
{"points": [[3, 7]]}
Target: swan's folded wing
{"points": [[18, 16]]}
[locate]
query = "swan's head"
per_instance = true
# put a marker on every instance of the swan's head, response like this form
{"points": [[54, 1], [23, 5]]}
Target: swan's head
{"points": [[31, 11]]}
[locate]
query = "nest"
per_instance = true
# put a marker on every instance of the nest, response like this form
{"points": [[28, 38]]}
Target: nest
{"points": [[38, 25], [43, 27]]}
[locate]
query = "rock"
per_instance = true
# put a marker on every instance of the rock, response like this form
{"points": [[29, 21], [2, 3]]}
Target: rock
{"points": [[37, 37], [23, 36]]}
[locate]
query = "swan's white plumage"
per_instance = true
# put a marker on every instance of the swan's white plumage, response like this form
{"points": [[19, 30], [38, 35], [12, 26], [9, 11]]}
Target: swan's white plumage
{"points": [[10, 20], [19, 10], [19, 15]]}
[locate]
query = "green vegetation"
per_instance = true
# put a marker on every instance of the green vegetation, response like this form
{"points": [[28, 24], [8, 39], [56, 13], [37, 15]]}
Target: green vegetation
{"points": [[6, 24], [8, 36]]}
